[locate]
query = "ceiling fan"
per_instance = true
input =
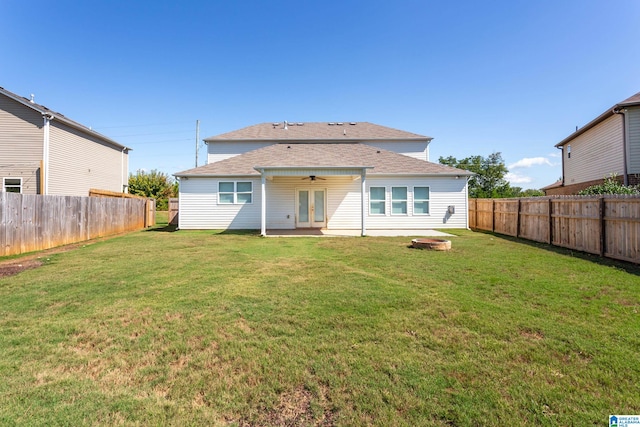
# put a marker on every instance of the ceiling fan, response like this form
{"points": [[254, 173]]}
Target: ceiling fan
{"points": [[313, 178]]}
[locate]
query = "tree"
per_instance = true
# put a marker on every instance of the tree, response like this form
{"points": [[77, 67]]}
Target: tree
{"points": [[488, 181], [156, 185], [611, 185]]}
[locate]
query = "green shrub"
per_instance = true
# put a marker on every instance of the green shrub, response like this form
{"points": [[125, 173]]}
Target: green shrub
{"points": [[611, 185]]}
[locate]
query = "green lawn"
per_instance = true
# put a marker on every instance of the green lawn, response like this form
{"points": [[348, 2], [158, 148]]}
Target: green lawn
{"points": [[205, 328]]}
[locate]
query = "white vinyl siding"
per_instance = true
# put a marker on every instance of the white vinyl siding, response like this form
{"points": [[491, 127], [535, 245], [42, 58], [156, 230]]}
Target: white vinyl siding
{"points": [[416, 149], [79, 162], [443, 192], [21, 140], [595, 154], [633, 135], [199, 208], [217, 151]]}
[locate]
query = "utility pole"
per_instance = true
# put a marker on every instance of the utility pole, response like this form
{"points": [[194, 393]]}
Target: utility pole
{"points": [[197, 139]]}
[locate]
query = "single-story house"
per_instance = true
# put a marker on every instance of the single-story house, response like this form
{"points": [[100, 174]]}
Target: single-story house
{"points": [[44, 152], [337, 175], [609, 145]]}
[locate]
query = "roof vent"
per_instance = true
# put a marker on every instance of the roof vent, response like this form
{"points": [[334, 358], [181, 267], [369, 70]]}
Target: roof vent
{"points": [[275, 124], [331, 123], [340, 123], [33, 98], [352, 123], [299, 124], [285, 125]]}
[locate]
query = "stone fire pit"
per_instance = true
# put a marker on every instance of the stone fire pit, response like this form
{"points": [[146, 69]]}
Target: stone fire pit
{"points": [[433, 244]]}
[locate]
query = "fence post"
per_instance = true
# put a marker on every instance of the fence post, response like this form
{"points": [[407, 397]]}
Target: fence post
{"points": [[550, 221], [518, 220], [493, 215], [601, 210]]}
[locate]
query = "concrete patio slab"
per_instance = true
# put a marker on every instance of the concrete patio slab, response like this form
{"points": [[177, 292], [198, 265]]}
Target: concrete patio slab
{"points": [[317, 232]]}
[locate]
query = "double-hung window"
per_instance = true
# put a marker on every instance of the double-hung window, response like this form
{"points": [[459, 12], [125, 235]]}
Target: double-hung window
{"points": [[235, 192], [12, 185], [398, 200], [377, 200], [421, 200]]}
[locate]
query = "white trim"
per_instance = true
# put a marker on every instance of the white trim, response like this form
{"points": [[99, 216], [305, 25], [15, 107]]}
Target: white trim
{"points": [[235, 192], [406, 200], [263, 206], [384, 200], [413, 201], [4, 184], [45, 154]]}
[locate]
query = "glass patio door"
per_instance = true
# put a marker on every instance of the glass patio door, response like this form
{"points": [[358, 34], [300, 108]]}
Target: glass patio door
{"points": [[311, 211]]}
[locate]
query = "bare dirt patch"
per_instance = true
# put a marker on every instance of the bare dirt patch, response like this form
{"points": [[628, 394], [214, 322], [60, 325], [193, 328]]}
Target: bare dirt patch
{"points": [[15, 267]]}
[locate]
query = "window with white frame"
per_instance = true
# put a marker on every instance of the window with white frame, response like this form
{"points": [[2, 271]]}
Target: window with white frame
{"points": [[398, 200], [377, 200], [235, 192], [12, 185], [421, 200]]}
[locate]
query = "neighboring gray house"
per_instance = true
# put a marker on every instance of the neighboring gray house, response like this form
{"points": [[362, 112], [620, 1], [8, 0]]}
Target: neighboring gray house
{"points": [[350, 176], [43, 152], [609, 144]]}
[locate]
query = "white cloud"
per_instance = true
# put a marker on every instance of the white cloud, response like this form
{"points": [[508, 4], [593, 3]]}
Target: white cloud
{"points": [[527, 162], [514, 178]]}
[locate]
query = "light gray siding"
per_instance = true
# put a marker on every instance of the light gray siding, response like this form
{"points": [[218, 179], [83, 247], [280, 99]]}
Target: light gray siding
{"points": [[444, 192], [199, 208], [595, 154], [78, 162], [21, 140], [217, 151], [416, 149], [633, 130]]}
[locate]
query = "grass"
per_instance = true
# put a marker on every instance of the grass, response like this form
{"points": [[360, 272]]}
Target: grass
{"points": [[206, 328]]}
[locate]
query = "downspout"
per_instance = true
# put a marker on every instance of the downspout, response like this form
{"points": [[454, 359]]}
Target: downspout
{"points": [[122, 170], [625, 143], [45, 152], [466, 201]]}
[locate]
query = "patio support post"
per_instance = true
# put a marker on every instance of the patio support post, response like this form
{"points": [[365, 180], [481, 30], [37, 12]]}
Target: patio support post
{"points": [[362, 192], [263, 209]]}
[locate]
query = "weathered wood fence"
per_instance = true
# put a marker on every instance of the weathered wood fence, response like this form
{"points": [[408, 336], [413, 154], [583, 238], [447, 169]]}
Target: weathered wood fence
{"points": [[173, 211], [35, 222], [608, 226]]}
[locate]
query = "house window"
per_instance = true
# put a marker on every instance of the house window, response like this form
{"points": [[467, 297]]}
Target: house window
{"points": [[235, 193], [12, 185], [398, 200], [421, 200], [377, 200]]}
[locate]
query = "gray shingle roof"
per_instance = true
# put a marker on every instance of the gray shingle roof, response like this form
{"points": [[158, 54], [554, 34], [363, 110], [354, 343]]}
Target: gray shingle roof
{"points": [[317, 131], [320, 155]]}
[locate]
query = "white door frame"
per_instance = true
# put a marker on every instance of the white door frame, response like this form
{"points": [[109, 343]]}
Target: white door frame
{"points": [[311, 208]]}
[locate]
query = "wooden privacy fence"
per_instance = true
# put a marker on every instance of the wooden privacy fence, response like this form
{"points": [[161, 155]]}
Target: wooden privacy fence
{"points": [[173, 211], [35, 222], [607, 225]]}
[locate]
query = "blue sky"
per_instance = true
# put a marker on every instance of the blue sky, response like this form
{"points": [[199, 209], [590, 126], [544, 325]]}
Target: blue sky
{"points": [[514, 76]]}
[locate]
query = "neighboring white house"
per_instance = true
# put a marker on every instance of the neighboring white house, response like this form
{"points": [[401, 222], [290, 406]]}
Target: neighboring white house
{"points": [[348, 175], [608, 145], [44, 152]]}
